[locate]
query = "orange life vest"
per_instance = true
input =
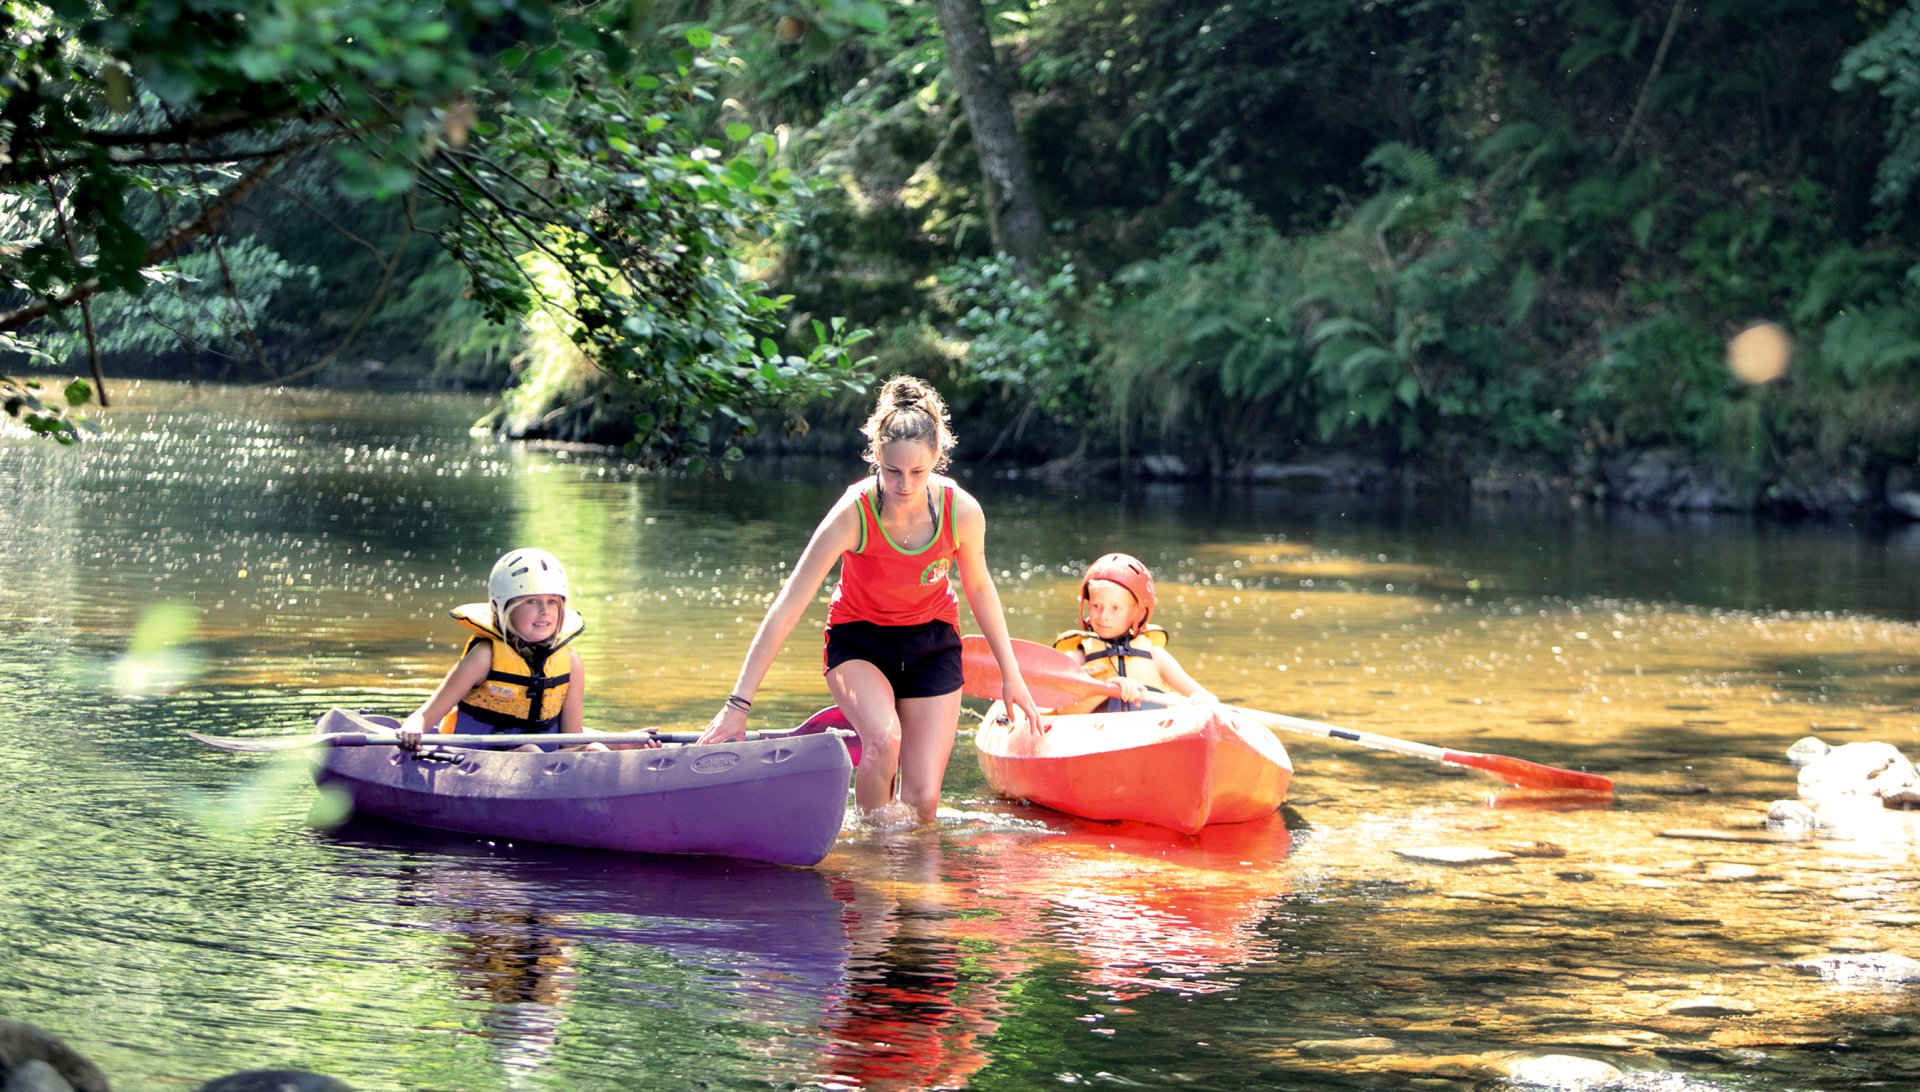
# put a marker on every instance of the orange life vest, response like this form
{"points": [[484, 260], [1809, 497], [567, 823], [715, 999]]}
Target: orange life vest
{"points": [[1108, 659]]}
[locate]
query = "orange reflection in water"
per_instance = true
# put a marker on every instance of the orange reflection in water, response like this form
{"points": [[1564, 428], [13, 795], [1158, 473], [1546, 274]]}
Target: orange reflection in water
{"points": [[940, 925], [1144, 908]]}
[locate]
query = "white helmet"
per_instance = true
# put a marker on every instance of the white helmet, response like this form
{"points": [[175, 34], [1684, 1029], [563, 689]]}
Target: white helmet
{"points": [[524, 572]]}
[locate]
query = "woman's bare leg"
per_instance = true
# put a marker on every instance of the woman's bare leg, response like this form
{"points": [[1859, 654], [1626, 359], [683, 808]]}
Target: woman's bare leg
{"points": [[927, 730], [866, 697]]}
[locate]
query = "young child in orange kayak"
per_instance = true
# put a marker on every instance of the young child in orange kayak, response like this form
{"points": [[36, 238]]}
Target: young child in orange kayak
{"points": [[1117, 642], [517, 673]]}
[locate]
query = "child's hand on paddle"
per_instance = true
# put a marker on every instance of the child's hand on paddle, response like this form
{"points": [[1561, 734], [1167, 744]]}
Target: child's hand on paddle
{"points": [[410, 731]]}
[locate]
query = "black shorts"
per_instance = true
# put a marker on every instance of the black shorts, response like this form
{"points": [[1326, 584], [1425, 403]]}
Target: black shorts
{"points": [[920, 661]]}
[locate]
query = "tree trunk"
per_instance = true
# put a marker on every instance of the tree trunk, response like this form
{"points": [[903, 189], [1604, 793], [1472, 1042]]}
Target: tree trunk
{"points": [[1013, 211]]}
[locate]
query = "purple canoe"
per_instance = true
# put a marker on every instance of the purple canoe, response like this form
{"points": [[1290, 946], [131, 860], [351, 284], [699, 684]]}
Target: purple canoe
{"points": [[780, 800]]}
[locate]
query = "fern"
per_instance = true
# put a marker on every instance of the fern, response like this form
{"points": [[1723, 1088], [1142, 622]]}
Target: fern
{"points": [[1890, 61]]}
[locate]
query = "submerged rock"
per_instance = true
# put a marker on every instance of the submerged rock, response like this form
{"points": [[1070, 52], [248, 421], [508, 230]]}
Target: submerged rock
{"points": [[1453, 855], [1791, 815], [1732, 835], [1889, 968], [33, 1060], [275, 1080], [1344, 1048], [1712, 1005], [21, 1045], [35, 1076], [1862, 769], [1807, 750], [1562, 1071]]}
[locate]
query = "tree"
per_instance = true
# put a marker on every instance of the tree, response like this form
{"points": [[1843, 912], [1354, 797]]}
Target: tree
{"points": [[1013, 210], [547, 143]]}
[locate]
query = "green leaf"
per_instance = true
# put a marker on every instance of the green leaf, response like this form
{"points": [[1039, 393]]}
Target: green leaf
{"points": [[1408, 391], [742, 171], [1642, 227]]}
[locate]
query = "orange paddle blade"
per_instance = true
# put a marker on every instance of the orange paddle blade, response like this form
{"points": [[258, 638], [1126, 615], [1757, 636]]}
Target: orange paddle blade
{"points": [[1053, 677], [1529, 775]]}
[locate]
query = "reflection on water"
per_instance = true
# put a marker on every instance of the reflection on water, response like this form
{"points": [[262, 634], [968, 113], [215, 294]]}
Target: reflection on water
{"points": [[238, 561]]}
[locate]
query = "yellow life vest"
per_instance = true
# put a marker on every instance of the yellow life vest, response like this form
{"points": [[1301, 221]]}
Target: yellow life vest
{"points": [[517, 695], [1106, 660]]}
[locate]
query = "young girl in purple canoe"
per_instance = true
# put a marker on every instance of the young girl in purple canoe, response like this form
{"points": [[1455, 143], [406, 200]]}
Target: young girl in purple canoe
{"points": [[893, 642], [1117, 642], [517, 673]]}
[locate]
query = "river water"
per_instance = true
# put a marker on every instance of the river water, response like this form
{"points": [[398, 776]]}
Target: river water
{"points": [[237, 561]]}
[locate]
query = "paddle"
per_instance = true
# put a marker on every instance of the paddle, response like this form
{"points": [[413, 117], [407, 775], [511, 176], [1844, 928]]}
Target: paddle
{"points": [[1055, 678], [376, 734]]}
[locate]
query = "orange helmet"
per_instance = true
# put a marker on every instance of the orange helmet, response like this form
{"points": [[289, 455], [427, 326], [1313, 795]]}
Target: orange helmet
{"points": [[1126, 571]]}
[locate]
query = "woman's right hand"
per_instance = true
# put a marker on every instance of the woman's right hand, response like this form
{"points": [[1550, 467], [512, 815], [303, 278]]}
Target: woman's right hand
{"points": [[729, 724]]}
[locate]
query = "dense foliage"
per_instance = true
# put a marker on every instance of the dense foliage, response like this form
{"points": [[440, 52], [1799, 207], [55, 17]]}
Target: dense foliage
{"points": [[573, 162], [1448, 234], [1454, 236]]}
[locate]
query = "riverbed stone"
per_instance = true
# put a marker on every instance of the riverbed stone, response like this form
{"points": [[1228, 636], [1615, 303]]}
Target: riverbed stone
{"points": [[1791, 815], [1562, 1071], [1887, 1024], [1808, 749], [1711, 835], [1595, 974], [1862, 769], [1860, 818], [1453, 855], [1681, 1027], [1734, 872], [1712, 1005], [1444, 1067], [1883, 967], [1632, 1040], [1344, 1048], [275, 1080], [21, 1044]]}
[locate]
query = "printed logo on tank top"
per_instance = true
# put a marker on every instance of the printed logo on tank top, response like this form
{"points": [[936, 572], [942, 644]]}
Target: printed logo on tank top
{"points": [[935, 572]]}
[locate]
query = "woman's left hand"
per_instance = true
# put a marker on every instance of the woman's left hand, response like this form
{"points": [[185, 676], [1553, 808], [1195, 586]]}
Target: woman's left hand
{"points": [[1014, 693]]}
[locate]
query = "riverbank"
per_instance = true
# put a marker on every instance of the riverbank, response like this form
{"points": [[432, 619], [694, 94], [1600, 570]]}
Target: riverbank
{"points": [[1651, 479], [1656, 479]]}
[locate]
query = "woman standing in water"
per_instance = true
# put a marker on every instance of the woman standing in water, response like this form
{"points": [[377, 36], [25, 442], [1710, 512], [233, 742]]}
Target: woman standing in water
{"points": [[893, 640]]}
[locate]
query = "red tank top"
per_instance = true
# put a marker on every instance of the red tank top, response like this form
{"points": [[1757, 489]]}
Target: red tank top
{"points": [[880, 582]]}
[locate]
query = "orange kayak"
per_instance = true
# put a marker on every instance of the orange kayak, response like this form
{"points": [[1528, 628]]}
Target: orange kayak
{"points": [[1182, 767]]}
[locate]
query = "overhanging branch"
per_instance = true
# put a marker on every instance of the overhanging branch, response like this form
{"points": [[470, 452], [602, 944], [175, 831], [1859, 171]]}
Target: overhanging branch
{"points": [[169, 245]]}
